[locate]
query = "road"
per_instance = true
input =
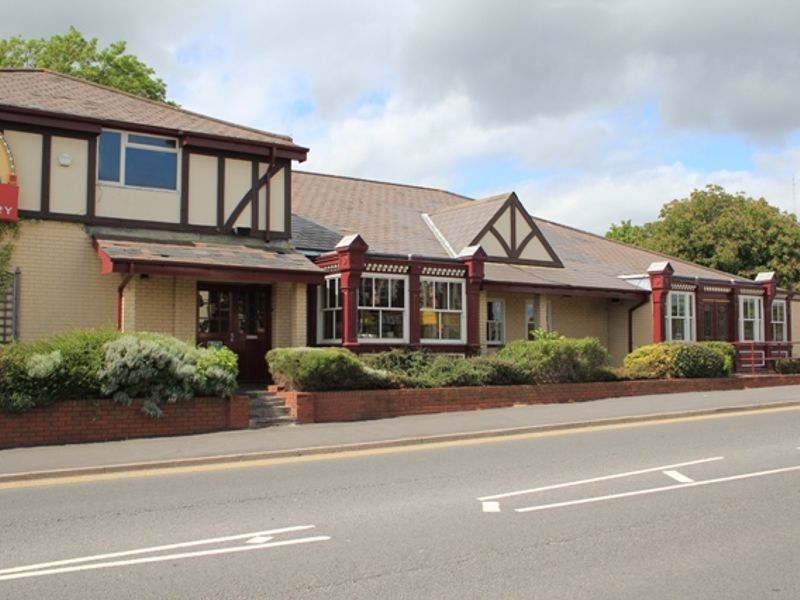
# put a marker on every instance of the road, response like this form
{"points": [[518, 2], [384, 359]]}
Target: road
{"points": [[690, 508]]}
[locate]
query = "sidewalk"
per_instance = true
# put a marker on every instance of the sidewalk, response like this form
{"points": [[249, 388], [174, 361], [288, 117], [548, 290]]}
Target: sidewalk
{"points": [[24, 463]]}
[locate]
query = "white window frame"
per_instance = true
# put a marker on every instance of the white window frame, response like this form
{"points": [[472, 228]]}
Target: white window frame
{"points": [[757, 320], [382, 309], [322, 293], [124, 143], [688, 318], [782, 321], [501, 322], [462, 312]]}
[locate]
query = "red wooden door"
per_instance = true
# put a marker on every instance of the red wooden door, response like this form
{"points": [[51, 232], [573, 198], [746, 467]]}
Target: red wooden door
{"points": [[237, 317]]}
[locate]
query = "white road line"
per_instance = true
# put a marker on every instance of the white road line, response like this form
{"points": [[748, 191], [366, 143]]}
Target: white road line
{"points": [[668, 488], [229, 538], [594, 479], [491, 507], [152, 559], [679, 477]]}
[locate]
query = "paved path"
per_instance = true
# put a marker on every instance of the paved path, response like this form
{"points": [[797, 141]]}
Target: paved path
{"points": [[299, 439]]}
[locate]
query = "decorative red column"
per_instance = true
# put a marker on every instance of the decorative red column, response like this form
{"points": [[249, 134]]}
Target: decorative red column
{"points": [[473, 257], [769, 283], [660, 283], [351, 250], [414, 272]]}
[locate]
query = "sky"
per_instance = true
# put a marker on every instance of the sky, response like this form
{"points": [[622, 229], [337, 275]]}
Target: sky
{"points": [[592, 111]]}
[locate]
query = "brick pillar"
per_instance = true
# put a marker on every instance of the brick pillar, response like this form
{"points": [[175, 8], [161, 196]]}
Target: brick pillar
{"points": [[660, 283], [769, 283], [473, 257], [414, 272], [351, 251]]}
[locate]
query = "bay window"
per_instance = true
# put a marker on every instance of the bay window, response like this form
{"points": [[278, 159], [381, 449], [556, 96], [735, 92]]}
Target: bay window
{"points": [[441, 310], [751, 319], [382, 308], [779, 321], [330, 303], [495, 322], [680, 316]]}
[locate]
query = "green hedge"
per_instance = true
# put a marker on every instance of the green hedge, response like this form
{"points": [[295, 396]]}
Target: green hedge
{"points": [[554, 359], [98, 363], [789, 366], [680, 360], [320, 369], [550, 360]]}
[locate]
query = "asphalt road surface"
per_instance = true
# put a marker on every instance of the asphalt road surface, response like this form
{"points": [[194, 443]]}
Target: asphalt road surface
{"points": [[691, 508]]}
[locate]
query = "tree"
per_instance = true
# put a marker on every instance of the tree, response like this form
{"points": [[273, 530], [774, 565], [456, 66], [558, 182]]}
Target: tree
{"points": [[72, 54], [729, 232]]}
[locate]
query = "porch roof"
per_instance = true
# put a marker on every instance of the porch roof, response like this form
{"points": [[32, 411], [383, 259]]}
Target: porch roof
{"points": [[203, 260]]}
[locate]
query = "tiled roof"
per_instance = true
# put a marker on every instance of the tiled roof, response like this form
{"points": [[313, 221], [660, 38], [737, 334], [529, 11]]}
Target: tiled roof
{"points": [[42, 90], [389, 218], [202, 255], [462, 223]]}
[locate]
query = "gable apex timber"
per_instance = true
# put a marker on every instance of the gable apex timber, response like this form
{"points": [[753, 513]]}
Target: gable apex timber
{"points": [[511, 235]]}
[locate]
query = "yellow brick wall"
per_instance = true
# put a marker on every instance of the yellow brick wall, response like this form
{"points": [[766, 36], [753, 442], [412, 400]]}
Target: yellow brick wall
{"points": [[482, 321], [618, 331], [60, 283], [581, 317], [643, 325], [794, 315], [162, 304], [289, 305]]}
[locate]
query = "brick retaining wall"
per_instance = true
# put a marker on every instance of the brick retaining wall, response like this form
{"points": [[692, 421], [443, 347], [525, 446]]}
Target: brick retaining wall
{"points": [[322, 407], [76, 421]]}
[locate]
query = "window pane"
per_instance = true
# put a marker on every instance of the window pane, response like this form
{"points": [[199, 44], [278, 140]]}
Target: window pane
{"points": [[777, 332], [530, 311], [708, 322], [495, 311], [381, 292], [678, 305], [151, 169], [455, 296], [398, 293], [428, 324], [451, 326], [328, 318], [368, 321], [108, 156], [778, 311], [365, 292], [331, 298], [150, 141], [392, 324], [722, 322], [678, 329], [494, 332], [426, 294], [749, 331], [748, 309], [441, 295]]}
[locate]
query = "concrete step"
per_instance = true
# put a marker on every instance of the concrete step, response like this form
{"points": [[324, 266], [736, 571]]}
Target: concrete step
{"points": [[274, 422], [267, 410]]}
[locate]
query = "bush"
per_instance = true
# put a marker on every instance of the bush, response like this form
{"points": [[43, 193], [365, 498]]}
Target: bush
{"points": [[96, 363], [680, 360], [788, 366], [553, 359], [66, 366], [697, 360], [653, 361], [726, 350], [325, 369]]}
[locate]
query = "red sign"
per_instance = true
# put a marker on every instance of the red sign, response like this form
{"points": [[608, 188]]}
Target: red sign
{"points": [[9, 202]]}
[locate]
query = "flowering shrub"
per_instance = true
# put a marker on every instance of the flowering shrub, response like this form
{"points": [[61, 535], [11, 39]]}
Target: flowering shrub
{"points": [[87, 364]]}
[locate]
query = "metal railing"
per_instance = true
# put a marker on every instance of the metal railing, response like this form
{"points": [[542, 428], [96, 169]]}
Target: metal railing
{"points": [[759, 356]]}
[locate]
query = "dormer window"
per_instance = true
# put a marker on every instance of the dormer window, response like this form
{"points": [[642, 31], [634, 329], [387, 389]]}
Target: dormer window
{"points": [[138, 160]]}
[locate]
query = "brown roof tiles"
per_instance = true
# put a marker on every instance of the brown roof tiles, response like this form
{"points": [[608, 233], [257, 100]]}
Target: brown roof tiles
{"points": [[47, 91]]}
